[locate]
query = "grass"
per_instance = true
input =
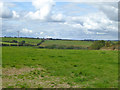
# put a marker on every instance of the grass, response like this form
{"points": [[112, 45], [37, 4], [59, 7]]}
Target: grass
{"points": [[27, 40], [59, 68], [8, 43], [51, 42], [67, 43]]}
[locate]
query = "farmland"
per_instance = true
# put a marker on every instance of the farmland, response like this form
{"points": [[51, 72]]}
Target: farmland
{"points": [[28, 40], [67, 42], [49, 43], [31, 67]]}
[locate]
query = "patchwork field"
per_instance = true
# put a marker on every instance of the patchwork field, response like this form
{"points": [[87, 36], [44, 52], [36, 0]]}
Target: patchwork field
{"points": [[50, 42], [59, 44], [30, 67]]}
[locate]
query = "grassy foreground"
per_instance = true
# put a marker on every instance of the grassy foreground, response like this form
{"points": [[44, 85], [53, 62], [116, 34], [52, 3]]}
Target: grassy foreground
{"points": [[44, 68]]}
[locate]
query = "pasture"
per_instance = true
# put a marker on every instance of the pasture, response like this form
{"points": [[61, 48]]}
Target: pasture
{"points": [[27, 40], [30, 67], [35, 41], [67, 43]]}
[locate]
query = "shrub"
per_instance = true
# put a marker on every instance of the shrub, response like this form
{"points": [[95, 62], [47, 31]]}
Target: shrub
{"points": [[40, 42], [26, 44], [5, 44], [107, 44], [14, 41], [97, 45], [118, 42], [70, 47], [21, 43], [13, 45]]}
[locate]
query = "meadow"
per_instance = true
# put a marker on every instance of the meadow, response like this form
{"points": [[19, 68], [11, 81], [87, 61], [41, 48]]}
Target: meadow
{"points": [[67, 43], [47, 43], [27, 40], [31, 67]]}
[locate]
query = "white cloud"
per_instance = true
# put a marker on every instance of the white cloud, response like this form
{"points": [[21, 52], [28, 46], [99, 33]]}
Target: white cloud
{"points": [[15, 15], [100, 33], [92, 23], [77, 25], [34, 16], [39, 4], [41, 32], [5, 12], [49, 36], [109, 9], [43, 9], [26, 31], [58, 17]]}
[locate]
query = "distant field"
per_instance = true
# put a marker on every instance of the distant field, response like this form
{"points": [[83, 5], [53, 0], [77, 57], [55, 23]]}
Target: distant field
{"points": [[44, 68], [75, 43], [27, 40], [53, 43], [67, 43]]}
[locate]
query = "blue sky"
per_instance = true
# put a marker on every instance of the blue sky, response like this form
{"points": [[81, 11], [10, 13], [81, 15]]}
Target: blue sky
{"points": [[67, 20]]}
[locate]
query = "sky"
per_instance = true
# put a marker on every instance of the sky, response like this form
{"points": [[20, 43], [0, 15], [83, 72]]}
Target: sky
{"points": [[64, 20]]}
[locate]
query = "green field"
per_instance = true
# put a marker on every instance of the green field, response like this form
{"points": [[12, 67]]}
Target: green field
{"points": [[8, 43], [29, 67], [27, 40], [51, 42], [67, 43]]}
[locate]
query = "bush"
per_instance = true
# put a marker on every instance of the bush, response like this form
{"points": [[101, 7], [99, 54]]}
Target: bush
{"points": [[13, 45], [40, 42], [5, 44], [41, 47], [21, 43], [61, 47], [118, 42], [70, 47], [13, 41], [97, 45], [107, 44], [26, 44]]}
